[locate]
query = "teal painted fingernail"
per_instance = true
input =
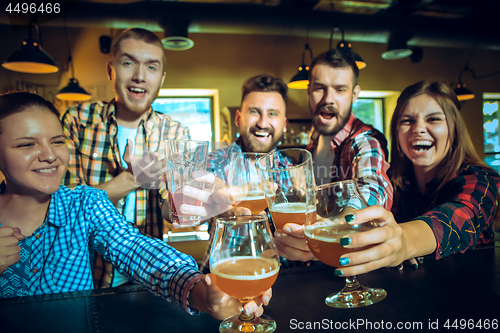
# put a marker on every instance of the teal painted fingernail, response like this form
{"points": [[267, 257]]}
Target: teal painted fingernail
{"points": [[345, 241], [344, 261], [415, 265], [338, 272], [350, 217]]}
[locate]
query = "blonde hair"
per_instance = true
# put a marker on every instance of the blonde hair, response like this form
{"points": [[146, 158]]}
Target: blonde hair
{"points": [[138, 34]]}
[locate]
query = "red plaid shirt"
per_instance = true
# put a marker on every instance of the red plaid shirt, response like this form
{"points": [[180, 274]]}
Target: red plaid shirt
{"points": [[460, 215], [360, 153], [91, 132]]}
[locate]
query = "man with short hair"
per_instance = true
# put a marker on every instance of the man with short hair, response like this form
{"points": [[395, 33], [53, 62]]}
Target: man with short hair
{"points": [[108, 140], [261, 120], [343, 147]]}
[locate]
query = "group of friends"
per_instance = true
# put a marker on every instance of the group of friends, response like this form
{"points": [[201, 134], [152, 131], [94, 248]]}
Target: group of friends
{"points": [[80, 218]]}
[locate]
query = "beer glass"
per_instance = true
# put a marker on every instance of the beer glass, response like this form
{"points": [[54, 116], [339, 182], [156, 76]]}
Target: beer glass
{"points": [[184, 157], [244, 262], [244, 184], [334, 202], [288, 180]]}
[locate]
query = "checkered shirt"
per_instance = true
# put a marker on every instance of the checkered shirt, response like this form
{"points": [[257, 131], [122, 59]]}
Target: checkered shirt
{"points": [[460, 215], [82, 220], [91, 131], [361, 154]]}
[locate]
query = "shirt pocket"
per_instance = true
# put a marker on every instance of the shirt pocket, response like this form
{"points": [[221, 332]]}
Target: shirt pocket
{"points": [[97, 161]]}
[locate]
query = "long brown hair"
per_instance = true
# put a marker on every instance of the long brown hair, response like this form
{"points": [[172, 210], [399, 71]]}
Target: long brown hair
{"points": [[460, 151]]}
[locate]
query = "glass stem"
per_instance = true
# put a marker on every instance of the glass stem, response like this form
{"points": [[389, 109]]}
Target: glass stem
{"points": [[243, 316], [351, 284]]}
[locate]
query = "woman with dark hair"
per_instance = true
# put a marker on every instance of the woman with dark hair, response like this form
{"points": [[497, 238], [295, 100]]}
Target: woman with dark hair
{"points": [[445, 197], [48, 232]]}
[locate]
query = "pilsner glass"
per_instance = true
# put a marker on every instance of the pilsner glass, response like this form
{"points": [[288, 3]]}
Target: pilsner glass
{"points": [[334, 201], [244, 184], [244, 262], [288, 180]]}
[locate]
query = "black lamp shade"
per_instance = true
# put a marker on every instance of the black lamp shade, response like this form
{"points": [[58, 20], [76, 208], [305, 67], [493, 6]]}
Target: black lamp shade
{"points": [[176, 36], [31, 58], [463, 94], [301, 79], [397, 49], [346, 47], [73, 92]]}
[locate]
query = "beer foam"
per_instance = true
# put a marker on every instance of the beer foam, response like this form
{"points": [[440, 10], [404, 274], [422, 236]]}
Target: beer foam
{"points": [[255, 276], [327, 234], [291, 207], [243, 195], [252, 197]]}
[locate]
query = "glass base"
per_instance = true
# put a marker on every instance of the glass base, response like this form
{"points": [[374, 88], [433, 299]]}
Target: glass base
{"points": [[261, 324], [364, 296]]}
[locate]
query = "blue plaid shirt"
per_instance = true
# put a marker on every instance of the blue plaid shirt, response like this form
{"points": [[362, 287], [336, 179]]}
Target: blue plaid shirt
{"points": [[82, 221]]}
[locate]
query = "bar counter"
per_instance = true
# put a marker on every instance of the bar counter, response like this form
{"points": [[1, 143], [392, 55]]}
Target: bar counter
{"points": [[459, 292]]}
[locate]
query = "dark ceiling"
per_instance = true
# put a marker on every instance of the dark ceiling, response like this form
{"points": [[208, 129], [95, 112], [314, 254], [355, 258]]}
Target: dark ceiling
{"points": [[443, 23]]}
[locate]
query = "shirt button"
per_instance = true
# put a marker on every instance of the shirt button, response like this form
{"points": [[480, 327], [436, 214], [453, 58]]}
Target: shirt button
{"points": [[35, 271], [38, 236], [94, 155]]}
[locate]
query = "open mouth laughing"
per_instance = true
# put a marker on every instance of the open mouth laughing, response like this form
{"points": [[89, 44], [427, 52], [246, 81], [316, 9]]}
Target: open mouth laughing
{"points": [[422, 146], [262, 135], [136, 92]]}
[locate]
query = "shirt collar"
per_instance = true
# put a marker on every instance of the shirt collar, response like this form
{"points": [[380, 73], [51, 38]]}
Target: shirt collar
{"points": [[110, 113], [54, 211], [344, 132], [337, 139]]}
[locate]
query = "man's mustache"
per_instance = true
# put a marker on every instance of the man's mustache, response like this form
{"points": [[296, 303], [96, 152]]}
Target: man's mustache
{"points": [[328, 109]]}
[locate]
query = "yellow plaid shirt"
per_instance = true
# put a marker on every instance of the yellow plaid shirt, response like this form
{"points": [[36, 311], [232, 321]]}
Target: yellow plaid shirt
{"points": [[91, 132]]}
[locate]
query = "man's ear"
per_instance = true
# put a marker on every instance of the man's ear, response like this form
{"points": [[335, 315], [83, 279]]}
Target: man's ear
{"points": [[163, 79], [109, 70], [286, 124], [237, 118], [355, 93]]}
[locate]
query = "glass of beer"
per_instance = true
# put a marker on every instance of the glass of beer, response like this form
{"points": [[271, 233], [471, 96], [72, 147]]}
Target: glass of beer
{"points": [[288, 180], [184, 157], [244, 184], [334, 202], [244, 262]]}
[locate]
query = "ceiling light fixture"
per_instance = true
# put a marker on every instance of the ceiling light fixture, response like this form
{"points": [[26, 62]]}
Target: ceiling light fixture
{"points": [[73, 91], [462, 92], [397, 47], [31, 58], [176, 35], [301, 79], [346, 46]]}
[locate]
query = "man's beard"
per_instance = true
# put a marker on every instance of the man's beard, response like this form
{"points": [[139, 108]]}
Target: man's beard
{"points": [[340, 124], [251, 145]]}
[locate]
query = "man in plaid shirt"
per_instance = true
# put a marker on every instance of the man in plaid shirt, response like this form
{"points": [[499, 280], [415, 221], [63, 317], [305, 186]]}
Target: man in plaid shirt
{"points": [[343, 147], [108, 140]]}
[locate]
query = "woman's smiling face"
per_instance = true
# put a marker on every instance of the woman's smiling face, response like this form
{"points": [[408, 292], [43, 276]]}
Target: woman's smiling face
{"points": [[423, 132], [33, 152]]}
